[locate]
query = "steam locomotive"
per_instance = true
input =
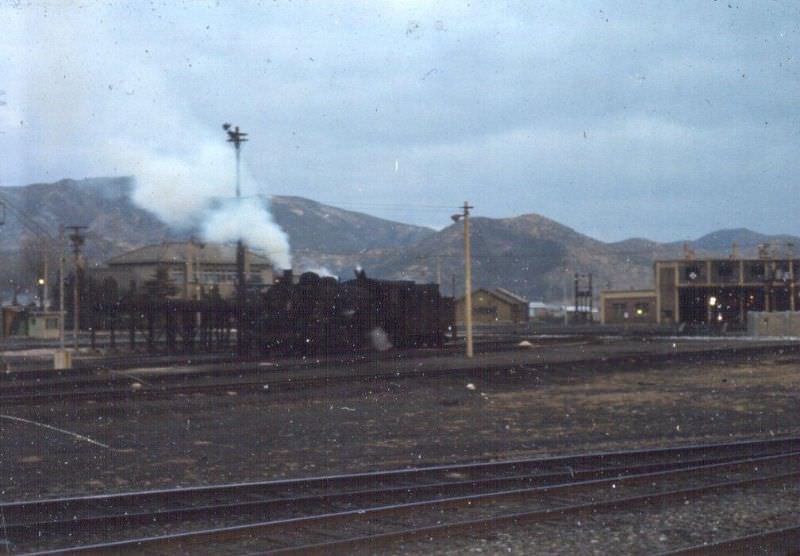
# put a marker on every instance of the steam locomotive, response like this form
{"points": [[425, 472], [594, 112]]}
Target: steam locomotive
{"points": [[322, 315]]}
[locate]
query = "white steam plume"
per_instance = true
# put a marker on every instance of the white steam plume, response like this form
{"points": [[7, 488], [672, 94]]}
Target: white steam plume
{"points": [[94, 101], [196, 190], [248, 219]]}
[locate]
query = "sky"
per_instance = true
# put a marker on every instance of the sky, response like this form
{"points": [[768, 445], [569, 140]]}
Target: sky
{"points": [[620, 119]]}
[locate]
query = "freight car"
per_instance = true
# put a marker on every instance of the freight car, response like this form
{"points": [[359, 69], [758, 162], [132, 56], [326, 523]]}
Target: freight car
{"points": [[324, 315]]}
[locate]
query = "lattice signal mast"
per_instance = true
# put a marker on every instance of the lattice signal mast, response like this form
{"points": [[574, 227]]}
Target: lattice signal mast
{"points": [[583, 298]]}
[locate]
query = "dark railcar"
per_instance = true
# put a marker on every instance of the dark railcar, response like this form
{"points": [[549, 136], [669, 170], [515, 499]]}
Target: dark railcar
{"points": [[410, 314], [322, 315]]}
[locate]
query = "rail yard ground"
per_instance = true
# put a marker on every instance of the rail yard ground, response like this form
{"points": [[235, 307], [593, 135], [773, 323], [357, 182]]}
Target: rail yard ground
{"points": [[556, 395], [64, 447]]}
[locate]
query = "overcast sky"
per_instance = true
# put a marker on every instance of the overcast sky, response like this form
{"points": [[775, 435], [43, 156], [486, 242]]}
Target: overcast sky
{"points": [[663, 120]]}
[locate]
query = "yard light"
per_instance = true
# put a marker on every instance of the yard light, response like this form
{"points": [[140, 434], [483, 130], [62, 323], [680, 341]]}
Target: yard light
{"points": [[712, 301]]}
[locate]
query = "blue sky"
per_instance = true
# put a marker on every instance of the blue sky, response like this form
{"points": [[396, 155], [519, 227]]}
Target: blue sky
{"points": [[661, 120]]}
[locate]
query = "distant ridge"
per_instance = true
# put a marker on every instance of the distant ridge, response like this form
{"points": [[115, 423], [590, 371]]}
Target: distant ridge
{"points": [[530, 255], [721, 240]]}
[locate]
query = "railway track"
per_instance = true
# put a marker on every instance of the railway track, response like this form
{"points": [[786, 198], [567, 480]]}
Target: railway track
{"points": [[108, 382], [114, 385], [341, 513]]}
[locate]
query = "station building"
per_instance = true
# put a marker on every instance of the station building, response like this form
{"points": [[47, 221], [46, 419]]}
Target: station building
{"points": [[708, 291]]}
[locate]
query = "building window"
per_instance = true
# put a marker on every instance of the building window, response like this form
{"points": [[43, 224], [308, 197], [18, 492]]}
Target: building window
{"points": [[491, 311], [757, 271], [725, 270], [618, 309], [641, 309], [691, 273], [51, 324]]}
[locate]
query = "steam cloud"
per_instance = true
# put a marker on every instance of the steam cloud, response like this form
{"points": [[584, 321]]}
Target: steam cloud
{"points": [[109, 105], [249, 220], [195, 190]]}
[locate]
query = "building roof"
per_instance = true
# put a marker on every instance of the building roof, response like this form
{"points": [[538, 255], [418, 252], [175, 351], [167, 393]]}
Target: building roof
{"points": [[717, 258], [628, 293], [543, 305], [176, 251], [509, 296], [503, 295]]}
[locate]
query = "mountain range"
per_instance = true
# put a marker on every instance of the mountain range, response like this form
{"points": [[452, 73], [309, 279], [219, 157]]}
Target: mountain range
{"points": [[528, 254]]}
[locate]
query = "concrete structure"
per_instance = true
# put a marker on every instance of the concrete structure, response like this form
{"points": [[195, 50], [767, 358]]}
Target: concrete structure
{"points": [[628, 307], [43, 324], [495, 305], [714, 291], [193, 268], [30, 322], [782, 323]]}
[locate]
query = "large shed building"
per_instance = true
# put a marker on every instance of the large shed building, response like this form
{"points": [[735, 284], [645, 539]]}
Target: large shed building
{"points": [[193, 268], [708, 291], [724, 290]]}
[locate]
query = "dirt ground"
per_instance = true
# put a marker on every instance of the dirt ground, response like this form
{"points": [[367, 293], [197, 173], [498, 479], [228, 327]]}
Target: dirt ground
{"points": [[205, 439]]}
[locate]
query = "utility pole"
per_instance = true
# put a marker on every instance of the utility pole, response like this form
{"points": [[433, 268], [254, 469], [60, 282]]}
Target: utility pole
{"points": [[467, 275], [61, 288], [238, 137], [46, 280], [77, 241], [565, 298], [453, 294]]}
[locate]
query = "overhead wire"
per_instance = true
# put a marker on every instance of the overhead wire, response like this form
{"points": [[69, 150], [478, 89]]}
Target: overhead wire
{"points": [[28, 221]]}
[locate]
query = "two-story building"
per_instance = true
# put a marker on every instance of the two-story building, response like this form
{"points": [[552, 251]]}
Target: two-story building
{"points": [[192, 268], [708, 291]]}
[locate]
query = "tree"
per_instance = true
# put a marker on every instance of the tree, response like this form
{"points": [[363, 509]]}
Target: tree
{"points": [[160, 286]]}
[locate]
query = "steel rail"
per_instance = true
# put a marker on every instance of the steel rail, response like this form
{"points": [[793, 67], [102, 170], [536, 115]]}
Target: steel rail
{"points": [[786, 444], [19, 527], [176, 541], [164, 385], [345, 546], [84, 367]]}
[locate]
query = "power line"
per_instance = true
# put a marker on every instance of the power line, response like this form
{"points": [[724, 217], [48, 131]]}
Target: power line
{"points": [[28, 221], [391, 206]]}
